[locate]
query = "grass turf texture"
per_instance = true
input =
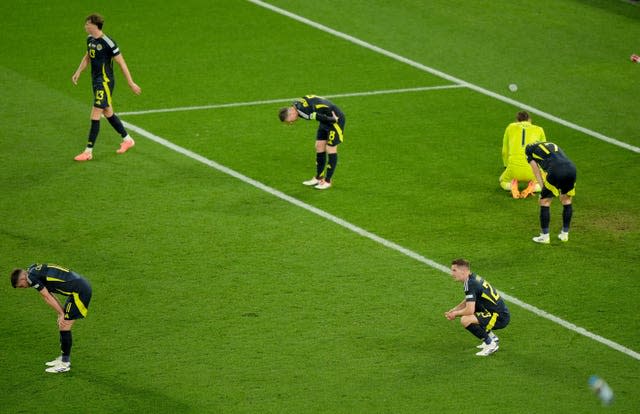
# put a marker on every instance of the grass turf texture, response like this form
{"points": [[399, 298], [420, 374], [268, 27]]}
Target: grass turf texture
{"points": [[210, 295]]}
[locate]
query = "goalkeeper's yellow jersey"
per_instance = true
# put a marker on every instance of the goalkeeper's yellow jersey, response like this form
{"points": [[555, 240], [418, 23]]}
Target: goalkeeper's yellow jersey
{"points": [[516, 137]]}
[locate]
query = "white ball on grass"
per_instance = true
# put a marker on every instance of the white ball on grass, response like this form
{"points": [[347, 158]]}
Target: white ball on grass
{"points": [[513, 87]]}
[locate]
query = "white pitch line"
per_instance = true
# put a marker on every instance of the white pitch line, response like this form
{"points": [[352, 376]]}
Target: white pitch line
{"points": [[443, 75], [364, 233], [272, 101]]}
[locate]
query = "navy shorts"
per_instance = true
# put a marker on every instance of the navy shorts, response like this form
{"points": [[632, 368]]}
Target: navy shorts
{"points": [[102, 92], [561, 179], [493, 320], [77, 304], [333, 134]]}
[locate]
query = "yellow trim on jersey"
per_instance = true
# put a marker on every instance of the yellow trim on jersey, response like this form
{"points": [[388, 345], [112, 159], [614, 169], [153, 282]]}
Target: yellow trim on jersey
{"points": [[484, 295], [54, 266], [104, 74], [543, 148], [105, 85], [53, 279], [492, 322], [322, 106]]}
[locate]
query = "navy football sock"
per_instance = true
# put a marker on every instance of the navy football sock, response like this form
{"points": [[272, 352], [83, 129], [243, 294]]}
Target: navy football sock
{"points": [[545, 219], [567, 213], [331, 167], [479, 332], [65, 345], [321, 160], [117, 125], [93, 133]]}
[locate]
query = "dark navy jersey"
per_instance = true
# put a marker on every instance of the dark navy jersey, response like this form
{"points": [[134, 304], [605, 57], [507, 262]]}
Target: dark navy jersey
{"points": [[55, 278], [101, 52], [318, 108], [547, 155], [478, 290]]}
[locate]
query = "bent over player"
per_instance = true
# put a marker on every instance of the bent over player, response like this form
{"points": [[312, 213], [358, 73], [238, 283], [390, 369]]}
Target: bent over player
{"points": [[101, 52], [48, 279], [516, 137], [330, 134], [482, 309], [559, 181]]}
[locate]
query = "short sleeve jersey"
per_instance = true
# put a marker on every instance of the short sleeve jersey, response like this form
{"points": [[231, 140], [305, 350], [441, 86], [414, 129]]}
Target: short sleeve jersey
{"points": [[318, 108], [517, 136], [478, 290], [546, 154], [55, 278], [101, 52]]}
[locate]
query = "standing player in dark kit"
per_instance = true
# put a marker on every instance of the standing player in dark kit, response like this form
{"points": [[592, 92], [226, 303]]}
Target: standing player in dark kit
{"points": [[101, 52], [48, 279], [482, 309], [330, 134], [560, 180]]}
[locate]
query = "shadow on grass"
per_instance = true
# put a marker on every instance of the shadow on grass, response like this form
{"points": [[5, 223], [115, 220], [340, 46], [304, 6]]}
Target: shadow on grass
{"points": [[118, 395]]}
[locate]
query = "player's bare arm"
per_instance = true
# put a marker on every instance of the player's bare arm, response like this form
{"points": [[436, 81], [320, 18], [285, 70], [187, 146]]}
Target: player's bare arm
{"points": [[125, 71], [52, 301], [536, 172], [459, 310], [83, 65], [468, 309], [464, 309]]}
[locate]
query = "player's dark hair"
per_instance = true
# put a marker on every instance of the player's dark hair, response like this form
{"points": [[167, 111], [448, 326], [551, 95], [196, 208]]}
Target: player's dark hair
{"points": [[282, 113], [523, 116], [460, 262], [15, 275], [96, 19]]}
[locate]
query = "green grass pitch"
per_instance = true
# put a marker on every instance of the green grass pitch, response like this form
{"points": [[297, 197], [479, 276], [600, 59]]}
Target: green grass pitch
{"points": [[213, 295]]}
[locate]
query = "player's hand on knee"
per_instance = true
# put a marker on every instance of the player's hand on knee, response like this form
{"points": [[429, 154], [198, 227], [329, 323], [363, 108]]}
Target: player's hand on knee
{"points": [[63, 324]]}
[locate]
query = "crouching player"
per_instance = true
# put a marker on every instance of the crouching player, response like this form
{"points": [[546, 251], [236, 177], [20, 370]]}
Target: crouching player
{"points": [[482, 309], [517, 136]]}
